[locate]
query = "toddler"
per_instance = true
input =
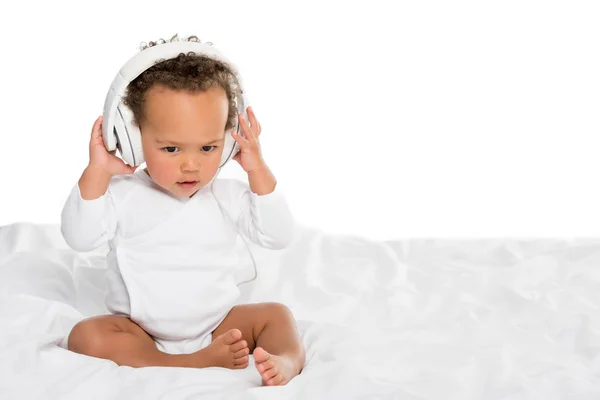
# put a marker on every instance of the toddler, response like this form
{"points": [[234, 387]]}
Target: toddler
{"points": [[171, 266]]}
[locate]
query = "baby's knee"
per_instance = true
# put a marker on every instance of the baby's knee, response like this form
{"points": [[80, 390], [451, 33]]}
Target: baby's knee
{"points": [[87, 337], [279, 311]]}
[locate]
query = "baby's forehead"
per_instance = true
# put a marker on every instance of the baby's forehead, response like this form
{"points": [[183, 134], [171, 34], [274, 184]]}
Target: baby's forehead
{"points": [[192, 134], [170, 108], [186, 141]]}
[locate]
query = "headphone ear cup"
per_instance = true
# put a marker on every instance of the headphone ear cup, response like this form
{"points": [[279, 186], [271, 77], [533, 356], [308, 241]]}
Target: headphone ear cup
{"points": [[122, 140], [129, 136]]}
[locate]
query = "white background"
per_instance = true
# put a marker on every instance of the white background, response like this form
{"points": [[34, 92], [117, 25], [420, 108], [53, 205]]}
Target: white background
{"points": [[385, 120]]}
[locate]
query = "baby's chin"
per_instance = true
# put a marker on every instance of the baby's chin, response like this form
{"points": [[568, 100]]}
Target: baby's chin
{"points": [[186, 189], [183, 190], [179, 189]]}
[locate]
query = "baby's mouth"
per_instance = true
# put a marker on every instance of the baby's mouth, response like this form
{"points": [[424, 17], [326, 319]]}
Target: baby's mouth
{"points": [[187, 184]]}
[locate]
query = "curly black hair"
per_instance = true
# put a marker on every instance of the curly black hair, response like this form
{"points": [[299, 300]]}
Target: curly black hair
{"points": [[189, 72]]}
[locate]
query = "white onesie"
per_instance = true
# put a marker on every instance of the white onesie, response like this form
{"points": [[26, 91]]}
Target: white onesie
{"points": [[171, 264]]}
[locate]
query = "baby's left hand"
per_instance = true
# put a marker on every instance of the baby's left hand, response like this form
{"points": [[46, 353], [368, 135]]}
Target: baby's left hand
{"points": [[249, 156]]}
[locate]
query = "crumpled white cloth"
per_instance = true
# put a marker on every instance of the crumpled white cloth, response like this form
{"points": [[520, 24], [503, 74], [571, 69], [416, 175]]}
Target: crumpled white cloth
{"points": [[410, 319]]}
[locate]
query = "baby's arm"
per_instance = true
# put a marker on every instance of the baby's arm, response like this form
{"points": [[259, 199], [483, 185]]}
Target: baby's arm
{"points": [[88, 218], [265, 219], [264, 216]]}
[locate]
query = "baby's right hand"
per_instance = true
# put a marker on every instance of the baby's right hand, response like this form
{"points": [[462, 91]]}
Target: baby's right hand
{"points": [[101, 158]]}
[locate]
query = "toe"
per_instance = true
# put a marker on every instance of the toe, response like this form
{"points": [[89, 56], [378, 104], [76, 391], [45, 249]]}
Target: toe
{"points": [[241, 366], [232, 336], [239, 345], [264, 366], [269, 374], [243, 352], [275, 381], [260, 355], [241, 360]]}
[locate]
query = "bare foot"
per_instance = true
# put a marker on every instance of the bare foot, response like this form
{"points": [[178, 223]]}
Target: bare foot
{"points": [[227, 350], [274, 370]]}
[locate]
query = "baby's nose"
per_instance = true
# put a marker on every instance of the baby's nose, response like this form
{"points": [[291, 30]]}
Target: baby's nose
{"points": [[190, 164]]}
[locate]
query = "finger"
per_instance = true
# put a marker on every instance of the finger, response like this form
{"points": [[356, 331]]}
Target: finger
{"points": [[126, 168], [253, 121], [96, 129], [242, 141], [246, 129]]}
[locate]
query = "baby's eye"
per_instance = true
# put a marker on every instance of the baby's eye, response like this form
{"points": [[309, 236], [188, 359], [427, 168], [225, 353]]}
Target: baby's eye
{"points": [[170, 149], [208, 148]]}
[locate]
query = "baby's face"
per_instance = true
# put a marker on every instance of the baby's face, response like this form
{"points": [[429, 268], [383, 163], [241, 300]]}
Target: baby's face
{"points": [[183, 136]]}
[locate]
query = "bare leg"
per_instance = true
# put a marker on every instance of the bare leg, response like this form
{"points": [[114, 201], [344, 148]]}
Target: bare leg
{"points": [[273, 338], [119, 339]]}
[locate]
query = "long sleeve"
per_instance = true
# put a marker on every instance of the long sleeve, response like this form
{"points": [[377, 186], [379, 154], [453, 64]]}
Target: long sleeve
{"points": [[266, 219], [87, 224]]}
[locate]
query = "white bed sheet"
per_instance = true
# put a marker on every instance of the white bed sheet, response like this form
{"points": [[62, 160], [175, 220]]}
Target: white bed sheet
{"points": [[412, 319]]}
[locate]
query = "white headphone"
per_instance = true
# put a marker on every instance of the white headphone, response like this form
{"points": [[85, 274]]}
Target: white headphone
{"points": [[118, 128]]}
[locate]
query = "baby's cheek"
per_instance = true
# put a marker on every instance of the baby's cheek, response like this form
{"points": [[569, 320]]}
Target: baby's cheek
{"points": [[209, 170], [161, 170], [161, 175]]}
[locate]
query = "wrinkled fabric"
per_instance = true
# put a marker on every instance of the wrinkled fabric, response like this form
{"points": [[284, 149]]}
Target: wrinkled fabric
{"points": [[411, 319]]}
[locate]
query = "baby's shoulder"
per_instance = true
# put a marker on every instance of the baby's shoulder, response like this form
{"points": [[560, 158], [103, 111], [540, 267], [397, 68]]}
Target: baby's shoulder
{"points": [[122, 186], [230, 187]]}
